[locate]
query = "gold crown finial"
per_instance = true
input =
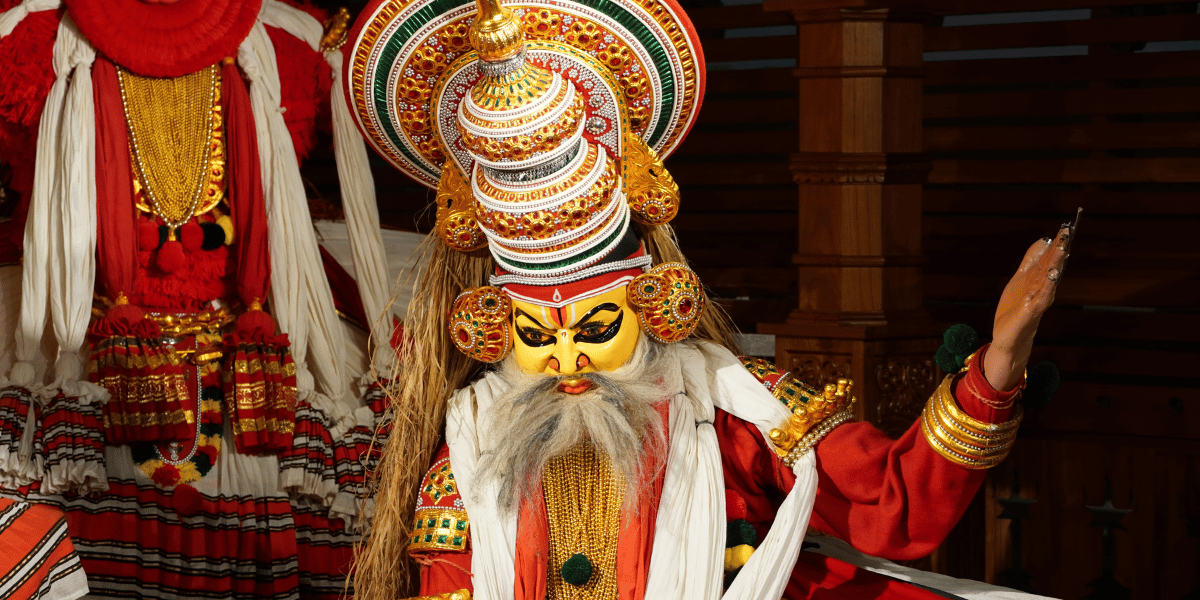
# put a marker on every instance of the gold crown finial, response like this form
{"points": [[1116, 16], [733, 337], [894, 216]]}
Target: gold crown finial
{"points": [[496, 33]]}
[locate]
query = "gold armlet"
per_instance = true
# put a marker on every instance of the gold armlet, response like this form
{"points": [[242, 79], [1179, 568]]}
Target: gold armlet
{"points": [[459, 595], [962, 439], [813, 417]]}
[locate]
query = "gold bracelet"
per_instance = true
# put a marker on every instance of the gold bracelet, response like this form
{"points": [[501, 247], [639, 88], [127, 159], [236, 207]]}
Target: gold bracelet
{"points": [[962, 439]]}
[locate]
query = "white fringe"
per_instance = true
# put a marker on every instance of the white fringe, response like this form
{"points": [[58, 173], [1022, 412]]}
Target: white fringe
{"points": [[357, 185], [301, 299]]}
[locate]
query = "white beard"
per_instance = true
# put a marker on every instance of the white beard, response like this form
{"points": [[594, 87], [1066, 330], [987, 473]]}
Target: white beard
{"points": [[618, 415]]}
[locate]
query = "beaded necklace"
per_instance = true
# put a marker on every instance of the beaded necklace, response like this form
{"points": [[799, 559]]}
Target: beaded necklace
{"points": [[583, 510], [175, 141]]}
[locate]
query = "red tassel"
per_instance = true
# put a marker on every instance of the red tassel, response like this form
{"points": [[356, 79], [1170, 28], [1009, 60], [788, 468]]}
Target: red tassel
{"points": [[254, 326], [148, 236], [192, 236], [170, 256], [260, 384]]}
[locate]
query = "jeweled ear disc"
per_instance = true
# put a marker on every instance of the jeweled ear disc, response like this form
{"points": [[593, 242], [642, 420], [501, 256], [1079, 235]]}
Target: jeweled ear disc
{"points": [[670, 301], [479, 324]]}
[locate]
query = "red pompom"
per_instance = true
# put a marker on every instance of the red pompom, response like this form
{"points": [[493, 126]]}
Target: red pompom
{"points": [[148, 236], [254, 326], [735, 506], [124, 315], [170, 257], [192, 236], [188, 501], [166, 475]]}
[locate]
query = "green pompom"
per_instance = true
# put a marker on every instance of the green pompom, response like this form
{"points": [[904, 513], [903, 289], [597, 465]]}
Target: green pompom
{"points": [[945, 360], [577, 570], [1041, 385], [739, 532], [961, 340]]}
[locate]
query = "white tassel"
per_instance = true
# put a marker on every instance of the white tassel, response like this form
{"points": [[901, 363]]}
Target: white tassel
{"points": [[301, 299], [357, 186], [12, 17]]}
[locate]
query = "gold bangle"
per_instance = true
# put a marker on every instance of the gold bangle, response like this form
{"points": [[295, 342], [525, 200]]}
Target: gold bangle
{"points": [[970, 436], [946, 397], [962, 439], [935, 427]]}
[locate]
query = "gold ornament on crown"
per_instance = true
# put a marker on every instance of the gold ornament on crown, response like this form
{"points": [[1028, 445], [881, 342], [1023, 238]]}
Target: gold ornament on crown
{"points": [[496, 33], [175, 139], [456, 221], [652, 193]]}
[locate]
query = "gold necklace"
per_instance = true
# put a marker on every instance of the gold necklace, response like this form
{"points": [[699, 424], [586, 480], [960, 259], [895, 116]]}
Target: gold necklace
{"points": [[583, 510], [175, 139]]}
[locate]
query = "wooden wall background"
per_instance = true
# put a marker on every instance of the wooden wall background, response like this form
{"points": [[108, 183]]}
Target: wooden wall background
{"points": [[1031, 108]]}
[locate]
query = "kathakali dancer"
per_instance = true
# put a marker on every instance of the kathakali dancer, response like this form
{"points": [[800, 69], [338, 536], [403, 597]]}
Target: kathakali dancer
{"points": [[173, 370], [615, 447]]}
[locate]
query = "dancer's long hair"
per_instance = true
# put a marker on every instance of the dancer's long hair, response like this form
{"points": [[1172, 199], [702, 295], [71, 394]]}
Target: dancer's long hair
{"points": [[431, 369]]}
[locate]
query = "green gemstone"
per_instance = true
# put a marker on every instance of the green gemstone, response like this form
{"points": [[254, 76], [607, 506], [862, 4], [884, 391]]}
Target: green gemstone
{"points": [[460, 525], [446, 523], [457, 540]]}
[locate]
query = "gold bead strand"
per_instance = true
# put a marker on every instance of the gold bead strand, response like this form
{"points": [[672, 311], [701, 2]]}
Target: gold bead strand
{"points": [[171, 125]]}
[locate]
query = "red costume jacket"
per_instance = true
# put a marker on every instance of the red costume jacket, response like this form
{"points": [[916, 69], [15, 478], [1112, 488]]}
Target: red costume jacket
{"points": [[896, 499]]}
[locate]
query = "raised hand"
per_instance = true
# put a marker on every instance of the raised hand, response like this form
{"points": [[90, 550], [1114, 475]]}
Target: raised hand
{"points": [[1025, 299]]}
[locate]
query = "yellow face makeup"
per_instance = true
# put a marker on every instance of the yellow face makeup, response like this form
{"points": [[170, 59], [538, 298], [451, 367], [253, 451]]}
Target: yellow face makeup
{"points": [[596, 334]]}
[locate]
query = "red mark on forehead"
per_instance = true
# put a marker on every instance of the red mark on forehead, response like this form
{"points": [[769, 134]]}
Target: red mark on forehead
{"points": [[558, 316]]}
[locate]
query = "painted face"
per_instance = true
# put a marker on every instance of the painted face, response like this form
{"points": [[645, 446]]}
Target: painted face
{"points": [[596, 334]]}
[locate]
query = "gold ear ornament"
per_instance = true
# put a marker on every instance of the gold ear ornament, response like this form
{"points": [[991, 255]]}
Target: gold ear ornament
{"points": [[669, 301], [479, 324]]}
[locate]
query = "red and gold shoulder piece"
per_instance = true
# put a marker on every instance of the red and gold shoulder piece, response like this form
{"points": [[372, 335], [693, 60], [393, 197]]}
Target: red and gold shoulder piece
{"points": [[441, 521], [783, 385]]}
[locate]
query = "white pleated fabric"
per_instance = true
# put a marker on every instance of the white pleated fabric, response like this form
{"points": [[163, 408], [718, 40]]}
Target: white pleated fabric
{"points": [[357, 186], [60, 232], [689, 539], [301, 300]]}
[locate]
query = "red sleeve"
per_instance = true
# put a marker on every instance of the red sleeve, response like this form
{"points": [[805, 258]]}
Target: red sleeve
{"points": [[897, 499], [443, 571]]}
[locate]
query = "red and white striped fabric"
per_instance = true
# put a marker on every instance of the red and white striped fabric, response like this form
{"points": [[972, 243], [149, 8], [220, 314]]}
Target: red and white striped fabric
{"points": [[37, 558]]}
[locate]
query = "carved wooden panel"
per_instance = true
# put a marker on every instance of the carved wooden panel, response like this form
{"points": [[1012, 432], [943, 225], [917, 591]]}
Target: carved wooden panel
{"points": [[904, 384]]}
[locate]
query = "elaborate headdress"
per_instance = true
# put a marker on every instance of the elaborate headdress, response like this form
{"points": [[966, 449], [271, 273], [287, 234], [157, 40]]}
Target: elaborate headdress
{"points": [[541, 124]]}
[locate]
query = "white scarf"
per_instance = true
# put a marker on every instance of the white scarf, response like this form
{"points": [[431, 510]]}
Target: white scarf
{"points": [[687, 557]]}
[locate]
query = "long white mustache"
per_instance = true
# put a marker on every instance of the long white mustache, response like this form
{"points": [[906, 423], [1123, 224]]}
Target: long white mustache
{"points": [[618, 415]]}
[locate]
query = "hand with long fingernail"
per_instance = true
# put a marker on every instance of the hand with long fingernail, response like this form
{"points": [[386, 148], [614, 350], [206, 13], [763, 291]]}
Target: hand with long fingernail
{"points": [[1026, 298]]}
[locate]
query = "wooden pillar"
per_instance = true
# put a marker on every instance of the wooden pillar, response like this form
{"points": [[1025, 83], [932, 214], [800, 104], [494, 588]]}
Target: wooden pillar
{"points": [[860, 169]]}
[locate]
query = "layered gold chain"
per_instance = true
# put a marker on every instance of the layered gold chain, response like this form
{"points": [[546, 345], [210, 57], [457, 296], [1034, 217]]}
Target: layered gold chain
{"points": [[174, 133], [583, 507]]}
